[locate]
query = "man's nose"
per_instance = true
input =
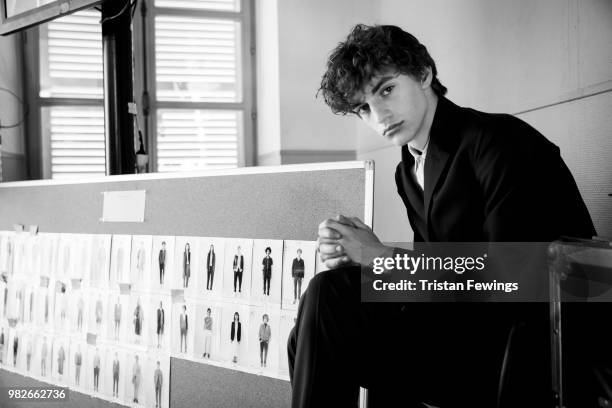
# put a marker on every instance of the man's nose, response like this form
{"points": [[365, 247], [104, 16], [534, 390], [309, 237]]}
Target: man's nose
{"points": [[381, 114]]}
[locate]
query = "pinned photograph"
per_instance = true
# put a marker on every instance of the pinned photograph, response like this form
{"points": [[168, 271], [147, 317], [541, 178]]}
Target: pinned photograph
{"points": [[76, 363], [4, 297], [234, 334], [81, 246], [7, 252], [134, 379], [298, 270], [212, 252], [120, 259], [44, 348], [62, 298], [78, 311], [100, 260], [44, 305], [160, 309], [115, 371], [140, 265], [207, 326], [182, 327], [60, 360], [119, 316], [139, 319], [28, 339], [66, 257], [267, 271], [186, 263], [97, 311], [287, 323], [237, 268], [29, 313], [157, 381], [162, 265], [3, 343], [96, 360], [20, 261], [264, 340], [50, 250], [35, 255]]}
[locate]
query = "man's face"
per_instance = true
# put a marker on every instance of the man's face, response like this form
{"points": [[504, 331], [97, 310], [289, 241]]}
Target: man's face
{"points": [[394, 105]]}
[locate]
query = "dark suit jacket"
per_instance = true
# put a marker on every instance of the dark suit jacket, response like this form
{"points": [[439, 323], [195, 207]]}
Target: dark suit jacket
{"points": [[208, 262], [490, 177], [238, 263], [236, 334]]}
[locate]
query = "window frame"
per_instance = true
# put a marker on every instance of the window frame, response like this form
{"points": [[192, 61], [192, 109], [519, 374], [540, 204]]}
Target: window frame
{"points": [[38, 147], [246, 16]]}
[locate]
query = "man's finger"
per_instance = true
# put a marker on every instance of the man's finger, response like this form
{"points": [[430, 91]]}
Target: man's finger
{"points": [[338, 227], [337, 262], [329, 233], [331, 249], [359, 224]]}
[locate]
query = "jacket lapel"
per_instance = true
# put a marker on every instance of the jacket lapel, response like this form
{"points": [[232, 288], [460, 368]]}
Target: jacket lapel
{"points": [[441, 146]]}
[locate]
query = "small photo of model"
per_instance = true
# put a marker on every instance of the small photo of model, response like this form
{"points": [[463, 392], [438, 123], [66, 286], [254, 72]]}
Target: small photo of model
{"points": [[186, 263], [4, 296], [212, 258], [78, 311], [21, 261], [157, 381], [120, 259], [4, 341], [59, 363], [287, 323], [140, 265], [62, 300], [207, 331], [50, 249], [98, 300], [182, 328], [264, 340], [100, 260], [237, 268], [116, 370], [162, 262], [138, 319], [29, 313], [29, 347], [42, 357], [44, 304], [160, 311], [81, 246], [7, 252], [76, 363], [118, 317], [16, 301], [34, 255], [134, 379], [96, 361], [267, 271], [14, 348], [66, 257], [298, 270], [234, 334]]}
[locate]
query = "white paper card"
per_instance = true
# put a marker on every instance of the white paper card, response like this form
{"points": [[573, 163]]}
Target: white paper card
{"points": [[123, 206]]}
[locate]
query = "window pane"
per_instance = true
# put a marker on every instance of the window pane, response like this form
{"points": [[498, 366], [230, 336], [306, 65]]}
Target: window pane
{"points": [[220, 5], [71, 57], [190, 139], [76, 136], [197, 59]]}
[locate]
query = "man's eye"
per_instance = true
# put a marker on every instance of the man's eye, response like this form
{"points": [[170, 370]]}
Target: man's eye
{"points": [[363, 109], [387, 90]]}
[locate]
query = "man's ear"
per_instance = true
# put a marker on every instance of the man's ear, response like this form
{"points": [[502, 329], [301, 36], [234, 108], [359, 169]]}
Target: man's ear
{"points": [[426, 78]]}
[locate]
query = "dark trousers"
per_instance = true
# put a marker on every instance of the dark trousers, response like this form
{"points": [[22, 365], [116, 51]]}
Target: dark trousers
{"points": [[238, 279], [266, 284], [263, 351], [158, 391], [162, 270], [297, 287], [96, 377], [210, 276], [115, 384], [444, 354]]}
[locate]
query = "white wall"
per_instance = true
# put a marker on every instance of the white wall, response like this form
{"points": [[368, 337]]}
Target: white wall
{"points": [[13, 145], [550, 58], [293, 40]]}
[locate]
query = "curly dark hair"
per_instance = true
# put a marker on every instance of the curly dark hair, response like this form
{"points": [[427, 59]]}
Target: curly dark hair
{"points": [[366, 51]]}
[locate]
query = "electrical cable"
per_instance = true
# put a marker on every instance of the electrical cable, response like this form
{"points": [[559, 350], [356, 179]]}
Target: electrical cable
{"points": [[22, 104]]}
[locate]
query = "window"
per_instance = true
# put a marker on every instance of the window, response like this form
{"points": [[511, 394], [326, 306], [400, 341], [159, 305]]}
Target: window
{"points": [[70, 96], [200, 81]]}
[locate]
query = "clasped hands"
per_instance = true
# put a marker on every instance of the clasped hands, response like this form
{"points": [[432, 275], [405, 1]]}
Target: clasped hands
{"points": [[347, 240]]}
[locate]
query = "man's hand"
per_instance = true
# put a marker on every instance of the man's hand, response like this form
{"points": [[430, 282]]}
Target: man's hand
{"points": [[343, 240]]}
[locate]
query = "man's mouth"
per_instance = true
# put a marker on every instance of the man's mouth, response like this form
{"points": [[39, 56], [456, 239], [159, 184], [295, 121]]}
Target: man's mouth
{"points": [[392, 128]]}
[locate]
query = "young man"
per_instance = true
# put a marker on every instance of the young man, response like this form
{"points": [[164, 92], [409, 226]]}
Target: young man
{"points": [[465, 176]]}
